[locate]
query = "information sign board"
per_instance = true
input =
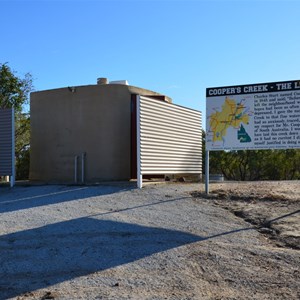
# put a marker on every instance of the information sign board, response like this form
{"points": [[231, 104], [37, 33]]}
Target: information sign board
{"points": [[255, 116]]}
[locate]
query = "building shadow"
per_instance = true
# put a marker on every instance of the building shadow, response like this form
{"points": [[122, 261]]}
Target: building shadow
{"points": [[44, 256], [20, 198]]}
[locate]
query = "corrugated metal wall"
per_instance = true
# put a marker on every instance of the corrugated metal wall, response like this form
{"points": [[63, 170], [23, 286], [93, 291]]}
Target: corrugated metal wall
{"points": [[6, 142], [169, 138]]}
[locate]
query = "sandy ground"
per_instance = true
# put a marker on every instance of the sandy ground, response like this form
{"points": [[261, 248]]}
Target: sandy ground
{"points": [[273, 207], [167, 241]]}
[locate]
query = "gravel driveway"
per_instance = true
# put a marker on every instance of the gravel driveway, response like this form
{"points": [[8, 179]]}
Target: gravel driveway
{"points": [[118, 242]]}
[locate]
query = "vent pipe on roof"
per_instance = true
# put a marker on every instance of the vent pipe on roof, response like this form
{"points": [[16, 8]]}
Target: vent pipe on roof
{"points": [[102, 81]]}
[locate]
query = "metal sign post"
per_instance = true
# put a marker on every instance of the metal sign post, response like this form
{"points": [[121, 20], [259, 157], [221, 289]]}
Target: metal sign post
{"points": [[207, 172]]}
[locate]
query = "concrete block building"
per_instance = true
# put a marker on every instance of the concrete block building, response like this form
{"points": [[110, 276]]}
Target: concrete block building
{"points": [[86, 133]]}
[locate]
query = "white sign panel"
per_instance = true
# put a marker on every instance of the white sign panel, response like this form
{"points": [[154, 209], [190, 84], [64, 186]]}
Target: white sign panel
{"points": [[256, 116]]}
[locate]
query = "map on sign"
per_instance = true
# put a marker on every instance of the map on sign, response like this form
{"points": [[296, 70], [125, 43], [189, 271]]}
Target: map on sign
{"points": [[230, 120]]}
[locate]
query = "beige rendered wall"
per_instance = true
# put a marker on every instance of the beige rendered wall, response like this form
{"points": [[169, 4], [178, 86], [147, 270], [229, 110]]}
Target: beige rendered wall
{"points": [[94, 119]]}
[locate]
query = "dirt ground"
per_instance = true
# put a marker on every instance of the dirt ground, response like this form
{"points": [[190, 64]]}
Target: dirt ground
{"points": [[166, 241], [272, 207]]}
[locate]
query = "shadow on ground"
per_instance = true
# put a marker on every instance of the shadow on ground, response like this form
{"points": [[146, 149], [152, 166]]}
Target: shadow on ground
{"points": [[41, 257], [20, 198]]}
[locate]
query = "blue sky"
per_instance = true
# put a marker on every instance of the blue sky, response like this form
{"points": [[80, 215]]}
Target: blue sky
{"points": [[178, 48]]}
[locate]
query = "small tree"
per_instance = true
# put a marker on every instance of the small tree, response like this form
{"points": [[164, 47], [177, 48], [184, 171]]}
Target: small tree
{"points": [[14, 93]]}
